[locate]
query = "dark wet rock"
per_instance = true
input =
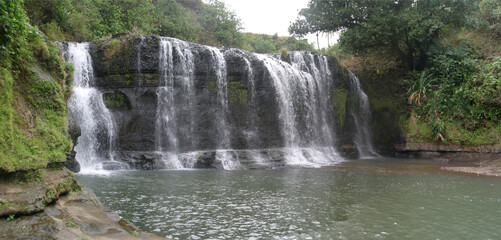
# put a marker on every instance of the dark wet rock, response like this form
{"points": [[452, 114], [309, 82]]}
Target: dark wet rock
{"points": [[71, 162], [205, 160], [244, 159], [142, 160], [74, 132], [127, 73]]}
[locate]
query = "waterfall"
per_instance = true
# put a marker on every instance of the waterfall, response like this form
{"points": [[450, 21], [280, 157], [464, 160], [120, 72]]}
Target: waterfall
{"points": [[139, 65], [221, 115], [212, 107], [361, 114], [219, 67], [167, 130], [95, 145], [302, 90], [252, 135], [318, 91]]}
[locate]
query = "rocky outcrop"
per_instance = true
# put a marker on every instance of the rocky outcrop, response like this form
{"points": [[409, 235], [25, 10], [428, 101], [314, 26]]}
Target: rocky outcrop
{"points": [[30, 192], [49, 204], [482, 154], [128, 73]]}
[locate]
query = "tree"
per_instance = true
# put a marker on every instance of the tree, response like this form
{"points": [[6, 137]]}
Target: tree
{"points": [[221, 24], [404, 28]]}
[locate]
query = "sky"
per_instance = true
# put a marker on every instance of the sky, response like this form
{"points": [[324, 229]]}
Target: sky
{"points": [[270, 16]]}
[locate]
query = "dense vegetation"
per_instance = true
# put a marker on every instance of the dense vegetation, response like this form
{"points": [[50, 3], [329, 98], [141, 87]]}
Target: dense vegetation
{"points": [[34, 82], [262, 43], [190, 20], [451, 51]]}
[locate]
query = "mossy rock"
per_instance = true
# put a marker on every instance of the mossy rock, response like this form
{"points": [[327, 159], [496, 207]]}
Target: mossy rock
{"points": [[30, 192]]}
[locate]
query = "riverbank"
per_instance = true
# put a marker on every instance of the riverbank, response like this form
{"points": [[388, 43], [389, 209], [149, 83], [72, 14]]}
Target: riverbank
{"points": [[490, 168], [483, 171], [482, 160], [53, 206]]}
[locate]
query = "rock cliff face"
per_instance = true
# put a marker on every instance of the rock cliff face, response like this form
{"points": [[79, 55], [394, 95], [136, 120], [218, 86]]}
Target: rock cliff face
{"points": [[169, 96]]}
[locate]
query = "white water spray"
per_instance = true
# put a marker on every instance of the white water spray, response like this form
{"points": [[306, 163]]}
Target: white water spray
{"points": [[87, 109]]}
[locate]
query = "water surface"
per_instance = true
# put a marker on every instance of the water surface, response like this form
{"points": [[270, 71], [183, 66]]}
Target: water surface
{"points": [[384, 199]]}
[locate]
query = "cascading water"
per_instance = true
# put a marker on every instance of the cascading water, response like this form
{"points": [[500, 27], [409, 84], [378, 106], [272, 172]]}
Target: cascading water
{"points": [[302, 92], [228, 161], [361, 114], [138, 57], [318, 95], [219, 66], [222, 108], [87, 110], [167, 130], [252, 135]]}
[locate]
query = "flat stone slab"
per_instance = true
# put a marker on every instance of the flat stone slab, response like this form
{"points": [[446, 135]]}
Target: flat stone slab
{"points": [[74, 216], [484, 171]]}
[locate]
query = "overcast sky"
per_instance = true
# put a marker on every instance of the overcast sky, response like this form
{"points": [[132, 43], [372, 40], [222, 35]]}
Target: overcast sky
{"points": [[270, 16]]}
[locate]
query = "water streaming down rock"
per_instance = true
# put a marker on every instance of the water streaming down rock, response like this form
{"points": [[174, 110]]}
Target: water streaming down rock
{"points": [[251, 134], [180, 75], [218, 63], [138, 56], [361, 114], [87, 110], [192, 106], [318, 85], [302, 92]]}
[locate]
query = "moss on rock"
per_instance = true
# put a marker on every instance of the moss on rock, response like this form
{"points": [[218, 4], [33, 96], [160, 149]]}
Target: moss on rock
{"points": [[237, 93], [339, 98], [33, 121]]}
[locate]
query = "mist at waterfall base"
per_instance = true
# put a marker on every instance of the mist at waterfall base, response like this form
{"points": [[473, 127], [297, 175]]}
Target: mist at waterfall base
{"points": [[301, 91], [364, 199]]}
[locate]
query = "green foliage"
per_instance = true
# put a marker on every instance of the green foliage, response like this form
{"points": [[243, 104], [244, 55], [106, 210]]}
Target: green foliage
{"points": [[10, 218], [221, 26], [339, 98], [406, 29], [85, 20], [114, 100], [466, 99], [178, 19], [419, 87], [209, 22], [34, 175], [490, 10], [262, 43], [237, 93], [70, 223], [51, 195], [337, 52], [33, 111], [13, 29], [5, 204]]}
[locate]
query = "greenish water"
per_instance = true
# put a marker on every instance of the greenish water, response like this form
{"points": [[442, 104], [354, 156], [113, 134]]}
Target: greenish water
{"points": [[384, 199]]}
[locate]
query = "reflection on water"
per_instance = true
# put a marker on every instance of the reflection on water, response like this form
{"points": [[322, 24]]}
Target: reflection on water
{"points": [[356, 200]]}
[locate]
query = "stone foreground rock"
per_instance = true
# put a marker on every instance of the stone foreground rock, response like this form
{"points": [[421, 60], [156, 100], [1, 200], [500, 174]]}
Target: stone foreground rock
{"points": [[53, 206]]}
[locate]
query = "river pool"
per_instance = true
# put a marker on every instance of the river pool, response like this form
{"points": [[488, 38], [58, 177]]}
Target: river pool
{"points": [[363, 199]]}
